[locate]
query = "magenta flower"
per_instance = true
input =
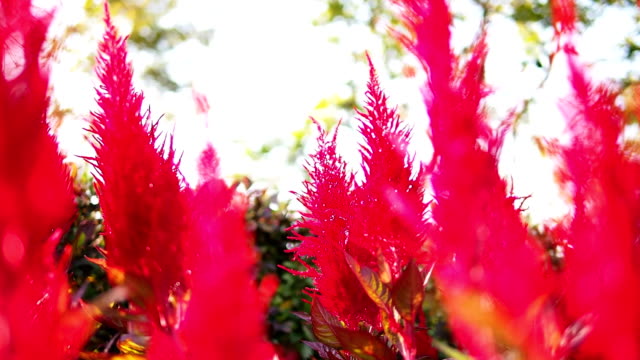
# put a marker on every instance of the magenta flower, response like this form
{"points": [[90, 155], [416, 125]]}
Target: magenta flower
{"points": [[366, 237], [221, 260], [491, 272], [601, 280], [36, 201], [145, 209], [190, 248]]}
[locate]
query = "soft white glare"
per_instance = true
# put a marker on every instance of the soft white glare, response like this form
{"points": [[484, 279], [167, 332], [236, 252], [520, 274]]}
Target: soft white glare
{"points": [[268, 66]]}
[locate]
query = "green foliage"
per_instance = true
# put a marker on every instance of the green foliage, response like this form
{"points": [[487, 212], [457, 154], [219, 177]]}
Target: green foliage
{"points": [[148, 35], [271, 220], [87, 279]]}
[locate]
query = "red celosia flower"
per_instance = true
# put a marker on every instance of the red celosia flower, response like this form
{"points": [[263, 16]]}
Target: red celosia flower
{"points": [[222, 260], [490, 270], [390, 199], [192, 247], [328, 199], [35, 187], [39, 311], [602, 274], [36, 201], [144, 206], [379, 222], [564, 16]]}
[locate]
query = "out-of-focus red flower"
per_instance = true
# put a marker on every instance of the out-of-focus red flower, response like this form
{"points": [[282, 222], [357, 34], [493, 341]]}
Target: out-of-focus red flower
{"points": [[563, 16], [377, 223], [601, 281], [36, 201], [268, 288], [221, 260], [201, 102], [490, 271], [35, 187], [224, 320], [39, 312], [145, 209]]}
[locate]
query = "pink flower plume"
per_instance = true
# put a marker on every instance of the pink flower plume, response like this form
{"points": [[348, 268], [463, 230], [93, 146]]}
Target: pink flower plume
{"points": [[379, 222], [602, 275], [36, 201], [486, 259], [145, 210]]}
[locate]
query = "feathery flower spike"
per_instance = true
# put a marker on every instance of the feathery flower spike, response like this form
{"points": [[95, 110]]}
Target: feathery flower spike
{"points": [[489, 269], [144, 206], [222, 260], [365, 235], [601, 279], [36, 201]]}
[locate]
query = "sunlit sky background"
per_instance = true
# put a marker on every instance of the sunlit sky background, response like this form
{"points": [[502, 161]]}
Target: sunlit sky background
{"points": [[268, 66]]}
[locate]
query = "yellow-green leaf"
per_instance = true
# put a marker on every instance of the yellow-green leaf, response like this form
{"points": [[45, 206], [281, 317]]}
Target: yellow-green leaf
{"points": [[324, 325], [371, 282], [364, 345]]}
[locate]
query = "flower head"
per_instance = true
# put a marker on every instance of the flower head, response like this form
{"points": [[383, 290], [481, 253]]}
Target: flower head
{"points": [[377, 223], [145, 208], [36, 201], [486, 261], [601, 272], [221, 260]]}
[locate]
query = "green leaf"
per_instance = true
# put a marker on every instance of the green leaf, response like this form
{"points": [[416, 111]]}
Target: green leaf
{"points": [[408, 292], [364, 345], [371, 282], [324, 325], [450, 352]]}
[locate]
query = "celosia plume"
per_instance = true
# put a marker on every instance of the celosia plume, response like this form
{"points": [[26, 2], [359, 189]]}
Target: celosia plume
{"points": [[364, 235], [491, 272], [390, 199], [145, 209], [36, 201], [602, 278], [192, 247], [222, 260], [35, 187], [328, 199]]}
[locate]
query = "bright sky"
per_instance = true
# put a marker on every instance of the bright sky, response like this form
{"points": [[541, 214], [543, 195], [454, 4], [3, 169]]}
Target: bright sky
{"points": [[267, 68]]}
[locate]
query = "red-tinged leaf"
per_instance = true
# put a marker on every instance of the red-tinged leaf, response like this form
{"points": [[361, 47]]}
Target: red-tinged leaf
{"points": [[371, 282], [408, 291], [324, 351], [302, 315], [324, 325], [364, 345]]}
